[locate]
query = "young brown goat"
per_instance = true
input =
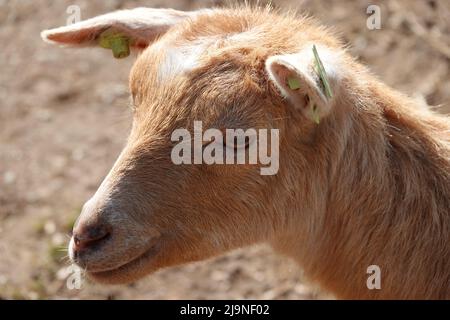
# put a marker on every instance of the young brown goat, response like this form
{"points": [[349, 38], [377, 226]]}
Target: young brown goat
{"points": [[367, 185]]}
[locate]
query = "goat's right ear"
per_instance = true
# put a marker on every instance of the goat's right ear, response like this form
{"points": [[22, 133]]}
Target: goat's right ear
{"points": [[137, 27]]}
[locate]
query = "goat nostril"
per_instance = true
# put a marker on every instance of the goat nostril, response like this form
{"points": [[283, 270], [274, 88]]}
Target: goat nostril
{"points": [[89, 237], [77, 241]]}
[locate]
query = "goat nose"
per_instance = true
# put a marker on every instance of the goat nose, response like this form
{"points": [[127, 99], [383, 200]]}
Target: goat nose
{"points": [[88, 236]]}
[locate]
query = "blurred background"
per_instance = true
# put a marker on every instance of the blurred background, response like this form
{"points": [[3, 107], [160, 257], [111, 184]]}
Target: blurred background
{"points": [[64, 118]]}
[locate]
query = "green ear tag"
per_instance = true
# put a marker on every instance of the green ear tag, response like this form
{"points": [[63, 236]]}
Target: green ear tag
{"points": [[120, 47], [315, 113], [117, 42], [293, 83], [322, 74]]}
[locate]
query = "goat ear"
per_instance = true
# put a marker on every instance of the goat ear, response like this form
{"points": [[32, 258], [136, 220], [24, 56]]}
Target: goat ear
{"points": [[308, 79], [138, 28]]}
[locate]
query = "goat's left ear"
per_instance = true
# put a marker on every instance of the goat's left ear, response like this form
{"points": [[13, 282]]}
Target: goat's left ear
{"points": [[308, 79]]}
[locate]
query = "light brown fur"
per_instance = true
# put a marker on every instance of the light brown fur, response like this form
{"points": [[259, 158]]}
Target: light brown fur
{"points": [[369, 185]]}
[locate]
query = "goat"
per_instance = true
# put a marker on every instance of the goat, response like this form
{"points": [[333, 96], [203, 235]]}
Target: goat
{"points": [[364, 171]]}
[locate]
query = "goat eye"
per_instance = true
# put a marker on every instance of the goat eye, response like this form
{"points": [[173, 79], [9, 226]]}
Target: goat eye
{"points": [[237, 143], [207, 143]]}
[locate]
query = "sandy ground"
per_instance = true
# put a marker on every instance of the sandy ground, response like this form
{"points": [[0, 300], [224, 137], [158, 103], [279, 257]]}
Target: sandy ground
{"points": [[64, 119]]}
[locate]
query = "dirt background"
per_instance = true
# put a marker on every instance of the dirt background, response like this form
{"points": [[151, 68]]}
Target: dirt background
{"points": [[64, 119]]}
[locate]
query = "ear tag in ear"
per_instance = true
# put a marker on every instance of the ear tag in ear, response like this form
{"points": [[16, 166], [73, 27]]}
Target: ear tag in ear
{"points": [[322, 74], [315, 113], [293, 83], [117, 42]]}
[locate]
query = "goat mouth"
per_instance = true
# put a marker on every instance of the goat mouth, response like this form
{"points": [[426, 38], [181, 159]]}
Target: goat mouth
{"points": [[124, 272]]}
